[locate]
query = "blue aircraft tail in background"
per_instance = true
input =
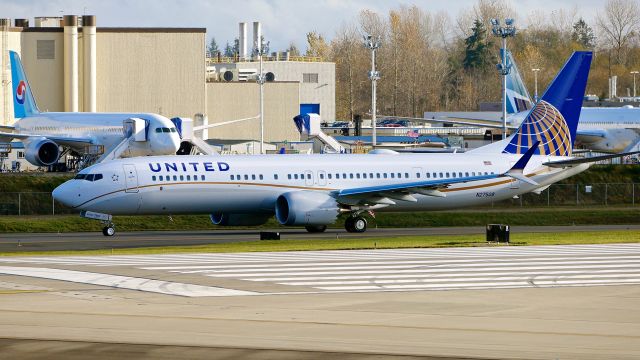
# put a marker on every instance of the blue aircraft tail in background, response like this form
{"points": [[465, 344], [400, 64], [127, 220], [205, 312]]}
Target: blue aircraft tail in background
{"points": [[554, 119], [24, 104], [518, 98]]}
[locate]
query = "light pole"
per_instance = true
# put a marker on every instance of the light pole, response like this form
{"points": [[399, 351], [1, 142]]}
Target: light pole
{"points": [[634, 83], [535, 81], [260, 48], [373, 44], [504, 32]]}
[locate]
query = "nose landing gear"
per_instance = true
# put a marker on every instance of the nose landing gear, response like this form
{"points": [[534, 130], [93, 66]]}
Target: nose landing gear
{"points": [[108, 230], [105, 219]]}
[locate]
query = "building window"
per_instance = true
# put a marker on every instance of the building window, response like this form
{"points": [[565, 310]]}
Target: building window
{"points": [[310, 78], [46, 49], [20, 154]]}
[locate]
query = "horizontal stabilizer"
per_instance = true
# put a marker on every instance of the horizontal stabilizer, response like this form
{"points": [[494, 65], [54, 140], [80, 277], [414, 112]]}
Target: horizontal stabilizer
{"points": [[572, 162], [517, 171]]}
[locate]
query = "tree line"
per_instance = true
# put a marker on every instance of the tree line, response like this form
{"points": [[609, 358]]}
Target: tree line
{"points": [[430, 61]]}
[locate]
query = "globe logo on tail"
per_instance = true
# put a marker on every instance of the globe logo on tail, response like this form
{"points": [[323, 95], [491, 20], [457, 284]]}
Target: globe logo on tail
{"points": [[546, 125], [21, 92]]}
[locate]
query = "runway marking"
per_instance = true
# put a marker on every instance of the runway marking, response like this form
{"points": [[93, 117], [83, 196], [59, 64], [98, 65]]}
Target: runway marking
{"points": [[345, 271], [123, 282]]}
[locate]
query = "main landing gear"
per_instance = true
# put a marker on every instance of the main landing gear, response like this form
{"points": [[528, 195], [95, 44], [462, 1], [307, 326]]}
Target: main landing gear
{"points": [[355, 224]]}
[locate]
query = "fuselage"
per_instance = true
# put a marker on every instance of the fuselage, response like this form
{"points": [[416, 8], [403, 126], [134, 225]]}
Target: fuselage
{"points": [[251, 184], [103, 129]]}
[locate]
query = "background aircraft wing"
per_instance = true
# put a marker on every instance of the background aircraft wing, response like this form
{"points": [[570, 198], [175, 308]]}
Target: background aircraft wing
{"points": [[576, 161], [477, 122], [60, 140]]}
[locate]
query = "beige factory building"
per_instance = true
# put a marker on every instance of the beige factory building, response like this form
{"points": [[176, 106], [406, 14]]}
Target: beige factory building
{"points": [[159, 70]]}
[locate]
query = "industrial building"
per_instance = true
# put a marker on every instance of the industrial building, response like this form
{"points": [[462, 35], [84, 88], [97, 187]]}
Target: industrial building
{"points": [[75, 65]]}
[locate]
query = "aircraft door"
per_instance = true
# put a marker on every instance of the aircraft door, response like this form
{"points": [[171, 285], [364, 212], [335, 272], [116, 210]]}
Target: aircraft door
{"points": [[308, 178], [130, 178]]}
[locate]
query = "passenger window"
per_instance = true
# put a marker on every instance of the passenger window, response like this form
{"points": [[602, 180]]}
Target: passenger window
{"points": [[399, 175], [321, 176], [309, 176], [161, 178], [418, 175], [428, 175], [288, 176], [202, 177], [344, 175], [370, 175], [175, 178], [189, 177], [253, 177], [295, 176], [364, 175], [153, 178], [453, 174], [181, 177], [466, 174], [232, 177], [261, 177], [393, 175], [275, 176], [406, 175], [329, 175], [441, 176], [459, 174], [351, 176], [378, 175], [358, 175], [385, 175], [473, 173]]}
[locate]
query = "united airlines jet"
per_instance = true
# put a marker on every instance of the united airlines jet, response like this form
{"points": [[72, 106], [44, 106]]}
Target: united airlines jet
{"points": [[44, 132], [314, 190]]}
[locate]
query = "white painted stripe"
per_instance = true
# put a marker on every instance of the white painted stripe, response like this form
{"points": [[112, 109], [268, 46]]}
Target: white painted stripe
{"points": [[413, 271], [445, 275], [382, 262], [123, 282], [534, 279], [408, 269], [548, 283]]}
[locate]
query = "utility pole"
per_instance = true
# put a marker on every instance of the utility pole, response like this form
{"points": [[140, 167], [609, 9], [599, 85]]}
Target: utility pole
{"points": [[535, 77], [260, 48], [373, 44], [504, 32]]}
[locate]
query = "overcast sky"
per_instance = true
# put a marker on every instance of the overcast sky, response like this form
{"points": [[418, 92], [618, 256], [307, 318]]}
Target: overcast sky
{"points": [[283, 21]]}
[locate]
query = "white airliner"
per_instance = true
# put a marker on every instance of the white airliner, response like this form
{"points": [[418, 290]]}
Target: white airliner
{"points": [[44, 132], [313, 190], [602, 129]]}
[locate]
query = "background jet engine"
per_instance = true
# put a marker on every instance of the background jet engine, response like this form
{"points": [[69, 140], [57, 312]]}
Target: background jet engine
{"points": [[42, 152]]}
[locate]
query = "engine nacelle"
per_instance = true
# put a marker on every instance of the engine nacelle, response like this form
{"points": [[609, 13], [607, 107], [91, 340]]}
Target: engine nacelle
{"points": [[239, 219], [306, 208], [42, 152]]}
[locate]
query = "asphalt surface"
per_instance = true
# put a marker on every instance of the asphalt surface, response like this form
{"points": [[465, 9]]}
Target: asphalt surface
{"points": [[18, 242], [498, 302]]}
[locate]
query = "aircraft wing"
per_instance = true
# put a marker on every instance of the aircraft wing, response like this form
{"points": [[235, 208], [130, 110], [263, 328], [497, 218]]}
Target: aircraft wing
{"points": [[594, 135], [577, 161], [385, 194], [64, 141], [476, 122]]}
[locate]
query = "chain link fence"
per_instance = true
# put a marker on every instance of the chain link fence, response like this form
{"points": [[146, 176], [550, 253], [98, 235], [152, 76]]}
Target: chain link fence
{"points": [[605, 194]]}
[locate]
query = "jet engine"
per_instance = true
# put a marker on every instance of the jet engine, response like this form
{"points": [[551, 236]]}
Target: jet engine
{"points": [[42, 152], [239, 219], [306, 208]]}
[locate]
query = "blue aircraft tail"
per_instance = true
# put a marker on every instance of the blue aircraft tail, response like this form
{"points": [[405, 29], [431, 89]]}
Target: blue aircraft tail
{"points": [[518, 98], [553, 121], [24, 104]]}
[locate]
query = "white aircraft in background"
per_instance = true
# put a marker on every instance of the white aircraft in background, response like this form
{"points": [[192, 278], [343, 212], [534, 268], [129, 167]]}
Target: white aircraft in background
{"points": [[313, 190], [602, 129], [121, 134]]}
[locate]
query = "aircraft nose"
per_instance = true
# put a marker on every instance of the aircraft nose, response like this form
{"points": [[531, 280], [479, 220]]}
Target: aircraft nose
{"points": [[66, 194]]}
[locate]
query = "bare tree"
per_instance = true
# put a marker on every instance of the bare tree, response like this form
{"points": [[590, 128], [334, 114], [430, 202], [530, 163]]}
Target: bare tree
{"points": [[618, 24]]}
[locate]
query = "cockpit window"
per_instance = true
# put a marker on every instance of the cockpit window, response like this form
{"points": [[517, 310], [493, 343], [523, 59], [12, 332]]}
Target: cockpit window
{"points": [[158, 130], [88, 177], [166, 130], [174, 130]]}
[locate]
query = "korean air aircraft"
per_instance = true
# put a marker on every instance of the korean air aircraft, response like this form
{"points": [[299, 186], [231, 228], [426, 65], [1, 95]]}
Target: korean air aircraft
{"points": [[603, 129], [44, 132], [314, 190]]}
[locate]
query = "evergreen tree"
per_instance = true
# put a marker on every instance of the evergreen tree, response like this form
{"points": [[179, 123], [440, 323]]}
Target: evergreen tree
{"points": [[213, 48], [228, 50], [583, 34], [477, 54]]}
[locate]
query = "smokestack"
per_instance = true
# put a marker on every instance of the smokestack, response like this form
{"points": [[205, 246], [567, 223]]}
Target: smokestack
{"points": [[71, 63], [89, 63], [257, 35], [243, 41]]}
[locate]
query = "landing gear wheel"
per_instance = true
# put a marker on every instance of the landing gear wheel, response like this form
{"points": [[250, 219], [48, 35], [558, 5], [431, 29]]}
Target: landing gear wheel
{"points": [[108, 230], [356, 224], [316, 228]]}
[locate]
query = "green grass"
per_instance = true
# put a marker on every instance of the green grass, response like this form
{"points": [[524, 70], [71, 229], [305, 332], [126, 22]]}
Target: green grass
{"points": [[595, 237], [518, 216]]}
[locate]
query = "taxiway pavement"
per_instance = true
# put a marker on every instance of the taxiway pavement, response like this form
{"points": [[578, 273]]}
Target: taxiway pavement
{"points": [[533, 302]]}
